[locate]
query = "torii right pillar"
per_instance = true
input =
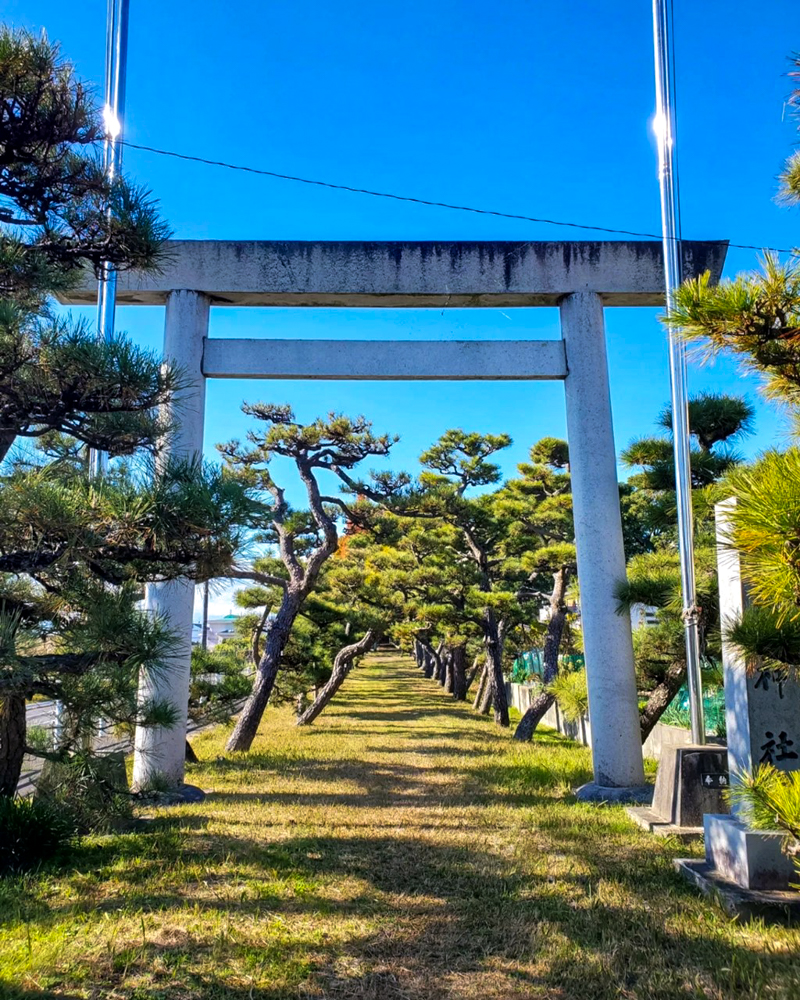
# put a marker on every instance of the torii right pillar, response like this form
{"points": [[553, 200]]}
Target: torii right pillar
{"points": [[607, 641]]}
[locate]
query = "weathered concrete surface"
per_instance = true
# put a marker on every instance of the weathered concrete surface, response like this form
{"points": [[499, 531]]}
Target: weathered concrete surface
{"points": [[762, 708], [382, 360], [159, 752], [607, 642], [751, 859], [772, 906], [685, 791], [613, 794], [392, 274]]}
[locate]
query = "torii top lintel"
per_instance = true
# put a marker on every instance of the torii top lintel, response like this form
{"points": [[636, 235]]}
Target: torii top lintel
{"points": [[408, 273]]}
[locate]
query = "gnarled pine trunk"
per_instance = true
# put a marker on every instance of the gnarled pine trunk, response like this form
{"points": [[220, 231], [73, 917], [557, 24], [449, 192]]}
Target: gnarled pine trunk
{"points": [[660, 698], [552, 643], [458, 672], [485, 704], [483, 680], [534, 714], [494, 659], [429, 659], [438, 674], [476, 666], [446, 679], [342, 666], [277, 635], [13, 731]]}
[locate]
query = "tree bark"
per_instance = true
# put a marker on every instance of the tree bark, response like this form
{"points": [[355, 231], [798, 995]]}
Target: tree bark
{"points": [[342, 665], [7, 439], [485, 704], [660, 698], [482, 680], [446, 679], [458, 672], [277, 635], [534, 714], [13, 732], [256, 651], [552, 644], [439, 671], [430, 660], [476, 666], [494, 657]]}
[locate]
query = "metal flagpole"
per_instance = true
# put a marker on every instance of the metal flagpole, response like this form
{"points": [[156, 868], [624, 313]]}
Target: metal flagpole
{"points": [[205, 615], [671, 230], [113, 117]]}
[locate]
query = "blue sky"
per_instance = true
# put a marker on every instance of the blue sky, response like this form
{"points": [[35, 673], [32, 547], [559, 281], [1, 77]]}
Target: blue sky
{"points": [[528, 106]]}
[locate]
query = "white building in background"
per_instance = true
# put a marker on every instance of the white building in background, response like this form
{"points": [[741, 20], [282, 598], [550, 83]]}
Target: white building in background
{"points": [[221, 627], [217, 629], [641, 614]]}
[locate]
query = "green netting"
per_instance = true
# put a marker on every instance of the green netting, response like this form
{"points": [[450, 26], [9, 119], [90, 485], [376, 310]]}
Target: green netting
{"points": [[677, 712], [529, 666]]}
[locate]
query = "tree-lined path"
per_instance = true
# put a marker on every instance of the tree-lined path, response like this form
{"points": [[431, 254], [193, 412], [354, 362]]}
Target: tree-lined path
{"points": [[401, 847]]}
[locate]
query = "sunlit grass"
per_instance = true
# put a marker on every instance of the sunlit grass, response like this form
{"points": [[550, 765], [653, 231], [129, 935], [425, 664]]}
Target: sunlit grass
{"points": [[399, 848]]}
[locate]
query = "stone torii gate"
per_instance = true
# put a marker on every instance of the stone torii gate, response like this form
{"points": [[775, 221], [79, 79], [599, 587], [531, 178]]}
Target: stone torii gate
{"points": [[581, 278]]}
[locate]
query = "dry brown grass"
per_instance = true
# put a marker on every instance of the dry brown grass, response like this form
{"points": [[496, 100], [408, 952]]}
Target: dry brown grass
{"points": [[399, 848]]}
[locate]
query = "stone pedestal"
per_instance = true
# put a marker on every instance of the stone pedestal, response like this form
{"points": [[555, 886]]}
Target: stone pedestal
{"points": [[751, 859], [691, 781], [613, 794]]}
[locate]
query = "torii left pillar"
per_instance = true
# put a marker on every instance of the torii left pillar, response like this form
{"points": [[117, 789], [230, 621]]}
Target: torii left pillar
{"points": [[160, 752]]}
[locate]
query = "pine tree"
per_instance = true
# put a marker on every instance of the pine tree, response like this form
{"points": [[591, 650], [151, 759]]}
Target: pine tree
{"points": [[436, 609], [355, 588], [74, 553], [58, 216], [303, 540], [454, 469], [716, 422], [543, 537], [755, 318]]}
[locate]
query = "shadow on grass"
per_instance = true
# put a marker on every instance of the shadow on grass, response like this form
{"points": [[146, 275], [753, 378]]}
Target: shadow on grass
{"points": [[445, 912], [8, 991], [546, 899], [399, 715]]}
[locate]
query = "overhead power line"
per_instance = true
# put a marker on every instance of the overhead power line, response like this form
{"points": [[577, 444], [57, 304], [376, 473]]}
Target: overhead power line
{"points": [[432, 204]]}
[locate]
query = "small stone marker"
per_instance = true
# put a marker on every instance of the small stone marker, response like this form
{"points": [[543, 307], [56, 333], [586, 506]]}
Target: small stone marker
{"points": [[689, 784]]}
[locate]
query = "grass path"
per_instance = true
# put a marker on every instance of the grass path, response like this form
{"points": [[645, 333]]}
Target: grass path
{"points": [[399, 848]]}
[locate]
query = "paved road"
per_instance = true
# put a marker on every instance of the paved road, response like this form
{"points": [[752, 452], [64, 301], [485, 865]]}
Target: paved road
{"points": [[41, 713]]}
